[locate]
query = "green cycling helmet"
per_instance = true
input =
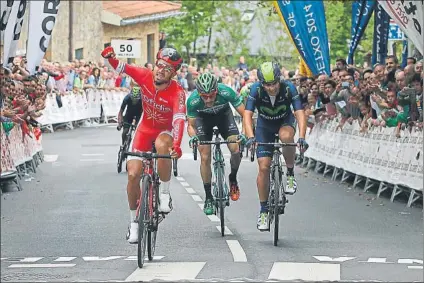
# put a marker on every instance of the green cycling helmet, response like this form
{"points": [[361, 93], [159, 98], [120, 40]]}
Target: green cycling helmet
{"points": [[206, 83], [269, 72], [135, 92]]}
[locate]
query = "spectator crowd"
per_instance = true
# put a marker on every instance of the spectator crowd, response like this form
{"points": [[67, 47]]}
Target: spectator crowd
{"points": [[381, 96]]}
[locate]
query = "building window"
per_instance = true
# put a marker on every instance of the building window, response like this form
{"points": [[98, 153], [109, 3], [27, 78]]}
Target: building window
{"points": [[106, 44], [79, 53], [151, 48]]}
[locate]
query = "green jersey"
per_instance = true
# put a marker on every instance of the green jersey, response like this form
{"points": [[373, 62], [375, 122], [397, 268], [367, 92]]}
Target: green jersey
{"points": [[225, 96]]}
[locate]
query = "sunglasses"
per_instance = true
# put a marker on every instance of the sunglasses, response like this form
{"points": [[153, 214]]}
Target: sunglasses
{"points": [[270, 83], [208, 95], [164, 66]]}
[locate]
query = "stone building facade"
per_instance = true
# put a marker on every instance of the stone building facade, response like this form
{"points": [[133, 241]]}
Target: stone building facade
{"points": [[96, 23]]}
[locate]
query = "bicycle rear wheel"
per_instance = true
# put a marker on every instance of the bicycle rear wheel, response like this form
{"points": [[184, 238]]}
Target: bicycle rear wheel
{"points": [[221, 205], [143, 220], [151, 234], [276, 206]]}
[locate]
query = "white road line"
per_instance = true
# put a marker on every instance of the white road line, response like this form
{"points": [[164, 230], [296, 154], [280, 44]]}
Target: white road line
{"points": [[41, 265], [30, 259], [167, 271], [414, 267], [213, 218], [155, 257], [190, 190], [410, 261], [65, 258], [196, 198], [185, 184], [305, 271], [50, 157], [237, 251], [181, 179], [92, 154], [90, 160], [96, 258], [226, 230], [201, 205], [333, 259], [376, 260]]}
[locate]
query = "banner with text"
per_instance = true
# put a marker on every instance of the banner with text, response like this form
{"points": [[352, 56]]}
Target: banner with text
{"points": [[409, 16], [42, 18], [306, 23], [5, 10], [361, 14], [381, 35], [12, 32]]}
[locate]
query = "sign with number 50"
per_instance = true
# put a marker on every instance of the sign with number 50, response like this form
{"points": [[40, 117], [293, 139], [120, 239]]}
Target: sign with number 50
{"points": [[127, 48]]}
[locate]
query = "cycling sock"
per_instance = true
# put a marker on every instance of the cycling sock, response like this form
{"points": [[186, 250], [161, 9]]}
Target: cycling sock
{"points": [[164, 187], [133, 214], [235, 164], [290, 171], [208, 191], [264, 206]]}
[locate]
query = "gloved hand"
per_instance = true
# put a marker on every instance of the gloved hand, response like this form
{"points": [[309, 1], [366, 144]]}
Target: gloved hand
{"points": [[242, 139], [119, 127], [108, 52], [250, 142], [303, 145], [176, 150], [193, 140]]}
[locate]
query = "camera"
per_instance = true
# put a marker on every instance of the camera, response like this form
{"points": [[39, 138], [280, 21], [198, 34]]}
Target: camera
{"points": [[345, 85]]}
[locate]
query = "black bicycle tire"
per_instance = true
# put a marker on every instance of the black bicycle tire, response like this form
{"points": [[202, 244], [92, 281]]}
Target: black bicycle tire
{"points": [[276, 202], [142, 228], [119, 165], [221, 205], [152, 233]]}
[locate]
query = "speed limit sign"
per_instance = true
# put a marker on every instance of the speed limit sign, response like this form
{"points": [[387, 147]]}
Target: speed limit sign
{"points": [[127, 48]]}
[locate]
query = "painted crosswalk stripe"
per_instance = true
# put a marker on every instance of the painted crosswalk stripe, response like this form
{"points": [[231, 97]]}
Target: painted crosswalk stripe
{"points": [[156, 257], [41, 265], [167, 271], [305, 271], [415, 267], [201, 205], [196, 198], [65, 258], [213, 218], [97, 258], [30, 259], [181, 179], [226, 230], [237, 251], [376, 260], [185, 184]]}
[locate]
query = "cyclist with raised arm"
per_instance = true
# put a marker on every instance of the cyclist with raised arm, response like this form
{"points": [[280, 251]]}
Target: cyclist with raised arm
{"points": [[209, 106], [131, 102], [162, 123], [273, 98]]}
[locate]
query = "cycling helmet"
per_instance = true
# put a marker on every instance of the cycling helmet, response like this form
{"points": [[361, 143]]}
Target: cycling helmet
{"points": [[171, 56], [269, 72], [206, 83], [135, 92]]}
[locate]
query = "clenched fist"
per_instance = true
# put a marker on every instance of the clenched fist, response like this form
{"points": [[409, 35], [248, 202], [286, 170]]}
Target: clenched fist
{"points": [[108, 52]]}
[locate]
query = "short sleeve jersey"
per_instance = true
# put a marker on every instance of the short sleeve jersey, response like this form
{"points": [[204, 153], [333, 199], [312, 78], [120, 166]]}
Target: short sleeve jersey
{"points": [[225, 97]]}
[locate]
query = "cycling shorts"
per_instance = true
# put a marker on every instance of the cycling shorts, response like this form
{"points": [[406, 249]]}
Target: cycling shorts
{"points": [[265, 132], [129, 119], [225, 122], [143, 140]]}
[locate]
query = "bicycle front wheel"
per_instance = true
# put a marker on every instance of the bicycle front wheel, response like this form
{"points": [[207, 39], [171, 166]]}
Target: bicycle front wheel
{"points": [[151, 234], [143, 220], [276, 201], [221, 199]]}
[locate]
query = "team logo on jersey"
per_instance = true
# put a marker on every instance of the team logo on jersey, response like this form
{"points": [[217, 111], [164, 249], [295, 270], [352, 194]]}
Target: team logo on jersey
{"points": [[195, 101]]}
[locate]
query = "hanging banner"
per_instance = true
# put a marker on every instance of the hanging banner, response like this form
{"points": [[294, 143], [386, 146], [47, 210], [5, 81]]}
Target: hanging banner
{"points": [[409, 16], [42, 18], [12, 33], [361, 14], [381, 35], [305, 21], [5, 10]]}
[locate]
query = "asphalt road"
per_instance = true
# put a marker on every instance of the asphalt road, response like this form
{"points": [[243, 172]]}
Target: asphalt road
{"points": [[69, 224]]}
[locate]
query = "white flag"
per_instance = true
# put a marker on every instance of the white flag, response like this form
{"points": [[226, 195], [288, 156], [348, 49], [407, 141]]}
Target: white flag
{"points": [[5, 10], [409, 17], [42, 17], [13, 30]]}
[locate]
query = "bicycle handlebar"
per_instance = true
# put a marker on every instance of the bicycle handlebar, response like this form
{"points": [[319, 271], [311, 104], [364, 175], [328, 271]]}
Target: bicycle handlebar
{"points": [[196, 144], [277, 145], [151, 155]]}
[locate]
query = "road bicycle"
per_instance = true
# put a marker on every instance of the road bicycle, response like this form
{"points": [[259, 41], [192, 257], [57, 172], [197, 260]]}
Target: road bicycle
{"points": [[219, 183], [124, 148], [277, 199], [147, 214]]}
